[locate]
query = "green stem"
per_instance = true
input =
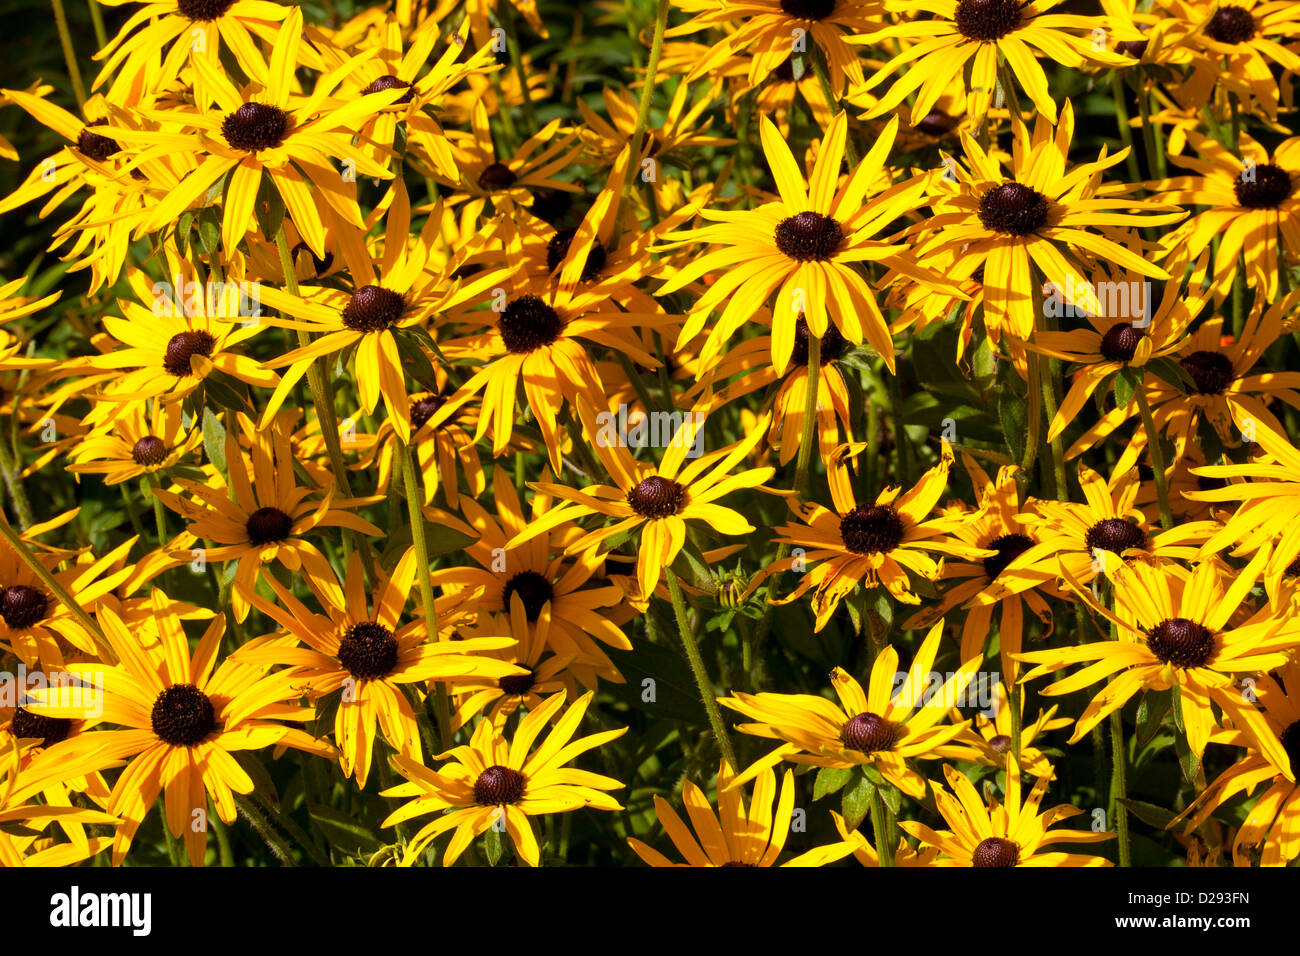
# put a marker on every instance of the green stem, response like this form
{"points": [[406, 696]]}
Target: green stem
{"points": [[824, 78], [697, 669], [224, 851], [647, 91], [517, 56], [69, 52], [275, 842], [1157, 455], [902, 445], [808, 436], [97, 22], [14, 485], [1149, 134], [1122, 119], [1035, 414], [416, 517], [880, 827], [1051, 402], [1119, 786]]}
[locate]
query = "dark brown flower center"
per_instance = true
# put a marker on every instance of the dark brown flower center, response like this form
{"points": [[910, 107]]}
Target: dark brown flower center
{"points": [[1290, 741], [319, 266], [832, 343], [1134, 48], [496, 176], [937, 123], [808, 237], [808, 9], [533, 590], [267, 526], [1008, 548], [149, 450], [422, 409], [528, 324], [995, 851], [94, 145], [657, 497], [1268, 187], [1115, 535], [1181, 642], [558, 248], [869, 734], [497, 785], [1211, 372], [1293, 569], [182, 716], [391, 83], [203, 10], [1013, 209], [48, 730], [373, 308], [517, 685], [21, 606], [872, 529], [1120, 342], [1231, 24], [183, 346], [368, 651], [987, 20], [255, 126], [1001, 743]]}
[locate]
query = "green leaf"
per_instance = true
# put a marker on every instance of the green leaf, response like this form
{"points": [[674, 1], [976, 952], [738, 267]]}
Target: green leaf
{"points": [[830, 780], [672, 694], [1171, 372], [414, 361], [263, 785], [214, 440], [326, 708], [268, 207], [893, 798], [1149, 813], [1125, 382], [857, 801], [343, 832], [441, 539], [1013, 416], [492, 845], [1151, 715]]}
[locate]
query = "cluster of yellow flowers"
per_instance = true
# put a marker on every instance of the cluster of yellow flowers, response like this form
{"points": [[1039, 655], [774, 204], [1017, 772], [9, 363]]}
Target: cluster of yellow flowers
{"points": [[456, 379]]}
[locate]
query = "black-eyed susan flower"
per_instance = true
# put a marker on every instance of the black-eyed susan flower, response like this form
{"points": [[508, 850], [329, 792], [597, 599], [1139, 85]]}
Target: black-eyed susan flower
{"points": [[876, 544], [264, 129], [658, 500], [263, 514], [1008, 580], [805, 248], [886, 726], [1035, 213], [735, 835], [1250, 208], [1225, 387], [1005, 833], [1267, 519], [494, 778], [181, 717], [135, 443], [363, 649], [540, 592], [941, 36], [1272, 735], [1184, 629]]}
